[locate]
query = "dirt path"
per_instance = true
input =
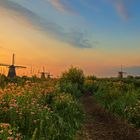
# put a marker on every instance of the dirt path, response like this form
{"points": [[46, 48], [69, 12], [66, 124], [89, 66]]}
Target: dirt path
{"points": [[101, 125]]}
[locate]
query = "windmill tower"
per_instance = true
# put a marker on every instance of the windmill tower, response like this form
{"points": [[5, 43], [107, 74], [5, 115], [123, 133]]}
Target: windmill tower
{"points": [[121, 73], [12, 68]]}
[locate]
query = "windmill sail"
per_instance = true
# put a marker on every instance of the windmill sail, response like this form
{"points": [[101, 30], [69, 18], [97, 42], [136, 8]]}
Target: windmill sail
{"points": [[43, 69], [4, 65], [13, 59], [20, 67]]}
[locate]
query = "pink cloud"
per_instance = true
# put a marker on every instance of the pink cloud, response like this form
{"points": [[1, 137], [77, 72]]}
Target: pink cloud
{"points": [[121, 7], [61, 6], [58, 5]]}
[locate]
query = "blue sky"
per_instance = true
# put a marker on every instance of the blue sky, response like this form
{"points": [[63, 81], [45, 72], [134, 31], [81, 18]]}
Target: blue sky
{"points": [[109, 28], [113, 19]]}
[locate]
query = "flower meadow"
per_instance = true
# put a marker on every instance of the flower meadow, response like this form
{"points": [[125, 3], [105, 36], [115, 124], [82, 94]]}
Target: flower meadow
{"points": [[50, 109], [38, 111]]}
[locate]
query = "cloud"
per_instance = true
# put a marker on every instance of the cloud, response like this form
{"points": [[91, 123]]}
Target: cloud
{"points": [[58, 5], [78, 38], [121, 7], [75, 38], [61, 5]]}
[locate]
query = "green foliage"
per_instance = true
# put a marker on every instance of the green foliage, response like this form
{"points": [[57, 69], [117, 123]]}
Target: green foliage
{"points": [[70, 88], [3, 81], [90, 86], [120, 98], [91, 77], [134, 113], [75, 76], [40, 112], [65, 119]]}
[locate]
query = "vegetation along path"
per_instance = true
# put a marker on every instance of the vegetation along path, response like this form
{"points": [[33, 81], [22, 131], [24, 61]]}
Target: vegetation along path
{"points": [[102, 125]]}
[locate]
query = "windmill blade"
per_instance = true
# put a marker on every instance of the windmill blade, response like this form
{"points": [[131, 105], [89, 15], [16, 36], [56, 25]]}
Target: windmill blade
{"points": [[43, 69], [4, 65], [13, 59], [20, 67]]}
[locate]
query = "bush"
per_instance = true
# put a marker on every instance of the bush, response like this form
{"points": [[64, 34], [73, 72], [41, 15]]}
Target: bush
{"points": [[74, 76], [90, 86], [70, 88]]}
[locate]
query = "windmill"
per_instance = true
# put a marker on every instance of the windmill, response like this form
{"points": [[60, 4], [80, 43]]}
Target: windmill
{"points": [[44, 74], [121, 73], [12, 68], [49, 75]]}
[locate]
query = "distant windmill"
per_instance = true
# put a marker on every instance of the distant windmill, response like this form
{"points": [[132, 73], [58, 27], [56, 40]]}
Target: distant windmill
{"points": [[121, 73], [44, 74], [49, 75], [12, 68]]}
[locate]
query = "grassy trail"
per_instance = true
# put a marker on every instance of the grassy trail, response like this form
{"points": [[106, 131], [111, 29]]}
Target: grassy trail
{"points": [[101, 125]]}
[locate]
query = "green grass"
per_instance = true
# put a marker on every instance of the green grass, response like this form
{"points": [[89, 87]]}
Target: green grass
{"points": [[122, 99]]}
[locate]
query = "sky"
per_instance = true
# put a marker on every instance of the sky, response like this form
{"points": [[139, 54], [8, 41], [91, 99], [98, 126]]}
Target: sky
{"points": [[97, 36]]}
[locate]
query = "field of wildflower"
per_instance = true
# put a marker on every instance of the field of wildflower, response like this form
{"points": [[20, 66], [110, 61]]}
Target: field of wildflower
{"points": [[38, 110], [49, 109]]}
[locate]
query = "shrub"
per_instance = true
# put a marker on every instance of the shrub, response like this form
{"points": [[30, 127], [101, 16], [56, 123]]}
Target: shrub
{"points": [[90, 86], [75, 76], [70, 88]]}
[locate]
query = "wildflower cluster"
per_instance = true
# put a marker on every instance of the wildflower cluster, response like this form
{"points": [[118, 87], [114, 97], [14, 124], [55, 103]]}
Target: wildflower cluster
{"points": [[9, 133]]}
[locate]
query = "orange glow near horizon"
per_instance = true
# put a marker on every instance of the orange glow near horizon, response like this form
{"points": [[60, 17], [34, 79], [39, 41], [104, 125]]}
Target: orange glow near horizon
{"points": [[36, 49]]}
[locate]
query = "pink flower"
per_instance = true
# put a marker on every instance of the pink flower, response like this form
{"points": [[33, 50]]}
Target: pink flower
{"points": [[10, 132], [10, 138], [4, 125]]}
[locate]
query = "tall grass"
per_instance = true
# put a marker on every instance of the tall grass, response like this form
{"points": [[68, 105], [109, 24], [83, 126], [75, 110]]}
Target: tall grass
{"points": [[120, 98]]}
